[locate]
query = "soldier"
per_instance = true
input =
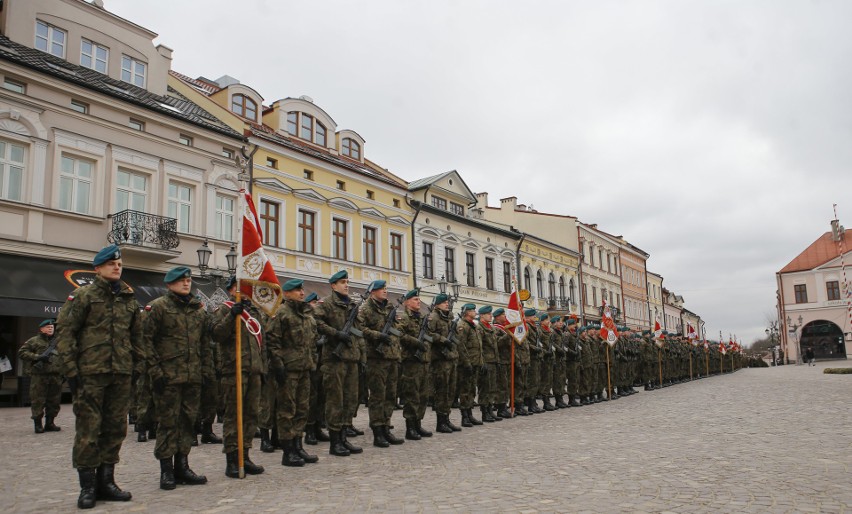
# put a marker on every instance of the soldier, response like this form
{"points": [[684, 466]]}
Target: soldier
{"points": [[209, 393], [521, 371], [443, 367], [413, 386], [488, 372], [313, 428], [45, 376], [573, 351], [292, 340], [470, 364], [546, 362], [266, 421], [504, 360], [100, 335], [224, 333], [339, 363], [534, 372], [557, 342], [178, 353]]}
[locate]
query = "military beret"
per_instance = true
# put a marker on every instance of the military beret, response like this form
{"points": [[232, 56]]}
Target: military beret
{"points": [[570, 321], [581, 330], [411, 294], [311, 297], [340, 275], [441, 298], [555, 319], [232, 281], [485, 309], [48, 321], [110, 253], [375, 285], [543, 316], [499, 311], [468, 307], [529, 312], [646, 332], [292, 284], [177, 273]]}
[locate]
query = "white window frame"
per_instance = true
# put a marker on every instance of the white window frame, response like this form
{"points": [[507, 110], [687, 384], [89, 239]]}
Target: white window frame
{"points": [[94, 56], [179, 203], [76, 181], [132, 67], [6, 163], [221, 218], [49, 39], [131, 191]]}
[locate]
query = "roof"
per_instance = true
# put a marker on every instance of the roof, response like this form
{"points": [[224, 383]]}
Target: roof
{"points": [[206, 88], [428, 181], [818, 253], [509, 233], [173, 105]]}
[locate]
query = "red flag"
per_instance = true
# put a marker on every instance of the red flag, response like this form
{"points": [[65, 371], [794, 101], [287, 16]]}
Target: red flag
{"points": [[608, 331], [517, 326], [254, 271], [722, 348]]}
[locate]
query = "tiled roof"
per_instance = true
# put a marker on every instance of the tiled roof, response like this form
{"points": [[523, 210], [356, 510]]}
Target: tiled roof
{"points": [[205, 88], [173, 105], [818, 253], [423, 182]]}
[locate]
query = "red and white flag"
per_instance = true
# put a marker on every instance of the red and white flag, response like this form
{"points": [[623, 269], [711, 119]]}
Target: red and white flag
{"points": [[722, 348], [517, 327], [609, 332], [691, 334], [658, 333], [254, 271]]}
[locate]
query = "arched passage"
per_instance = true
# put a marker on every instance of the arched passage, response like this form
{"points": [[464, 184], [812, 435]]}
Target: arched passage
{"points": [[826, 339]]}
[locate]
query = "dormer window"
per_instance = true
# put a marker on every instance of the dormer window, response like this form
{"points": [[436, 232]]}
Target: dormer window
{"points": [[320, 135], [244, 106], [351, 148], [307, 127], [132, 71], [292, 123], [50, 39], [439, 203]]}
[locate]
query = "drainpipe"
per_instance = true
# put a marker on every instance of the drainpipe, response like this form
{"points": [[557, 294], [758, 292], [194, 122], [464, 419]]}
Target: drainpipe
{"points": [[250, 158], [648, 295], [518, 260], [413, 245]]}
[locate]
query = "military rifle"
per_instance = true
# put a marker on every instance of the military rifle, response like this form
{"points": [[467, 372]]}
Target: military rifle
{"points": [[50, 351], [390, 319], [349, 328], [423, 336], [451, 338]]}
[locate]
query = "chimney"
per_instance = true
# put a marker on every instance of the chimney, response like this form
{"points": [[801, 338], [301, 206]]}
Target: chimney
{"points": [[165, 51], [482, 200], [837, 230], [511, 203]]}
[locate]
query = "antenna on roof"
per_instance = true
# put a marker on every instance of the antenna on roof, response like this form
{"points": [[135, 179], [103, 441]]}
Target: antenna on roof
{"points": [[306, 98]]}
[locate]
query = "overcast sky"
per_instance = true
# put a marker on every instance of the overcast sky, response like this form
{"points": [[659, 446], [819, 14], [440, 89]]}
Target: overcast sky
{"points": [[714, 135]]}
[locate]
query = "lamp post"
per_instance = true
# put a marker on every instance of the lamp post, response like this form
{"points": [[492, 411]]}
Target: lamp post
{"points": [[772, 333], [794, 330], [215, 276]]}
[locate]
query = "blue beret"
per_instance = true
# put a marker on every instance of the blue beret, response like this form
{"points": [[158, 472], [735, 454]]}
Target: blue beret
{"points": [[555, 319], [581, 330], [570, 321], [110, 253], [375, 285], [543, 316], [340, 275], [177, 273], [441, 298], [499, 311], [232, 281], [468, 307], [48, 321], [411, 294], [311, 297], [529, 312], [292, 284], [485, 309]]}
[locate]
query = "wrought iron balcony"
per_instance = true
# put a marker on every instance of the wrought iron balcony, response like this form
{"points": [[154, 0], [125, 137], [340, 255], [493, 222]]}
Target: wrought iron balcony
{"points": [[143, 229]]}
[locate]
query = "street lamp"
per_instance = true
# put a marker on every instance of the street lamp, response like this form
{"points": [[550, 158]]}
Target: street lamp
{"points": [[794, 330], [772, 333], [231, 259], [442, 285], [215, 276], [204, 252]]}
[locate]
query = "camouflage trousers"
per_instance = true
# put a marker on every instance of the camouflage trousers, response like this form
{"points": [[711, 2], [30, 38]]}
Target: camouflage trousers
{"points": [[588, 374], [521, 373], [45, 394], [533, 377], [251, 407], [340, 384], [268, 404], [100, 406], [293, 397], [145, 415], [177, 409], [545, 379], [209, 402], [414, 388], [382, 377], [572, 376], [501, 393], [488, 384], [444, 385], [317, 402], [467, 386], [558, 382]]}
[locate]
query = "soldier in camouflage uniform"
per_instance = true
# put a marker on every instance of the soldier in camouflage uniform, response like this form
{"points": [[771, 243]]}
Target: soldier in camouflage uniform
{"points": [[100, 335], [536, 357], [266, 420], [443, 366], [504, 363], [588, 364], [414, 386], [557, 342], [223, 331], [521, 371], [573, 352], [313, 428], [548, 355], [470, 363], [292, 339], [44, 369], [146, 423], [383, 356], [179, 358], [209, 394], [490, 358]]}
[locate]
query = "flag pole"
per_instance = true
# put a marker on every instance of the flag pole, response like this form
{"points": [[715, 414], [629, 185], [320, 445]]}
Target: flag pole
{"points": [[512, 355], [238, 339], [608, 379]]}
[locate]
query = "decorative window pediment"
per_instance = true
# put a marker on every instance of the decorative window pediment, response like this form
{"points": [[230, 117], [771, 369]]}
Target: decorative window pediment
{"points": [[373, 213], [451, 239], [470, 243], [398, 220], [428, 232], [274, 184], [343, 203], [309, 194]]}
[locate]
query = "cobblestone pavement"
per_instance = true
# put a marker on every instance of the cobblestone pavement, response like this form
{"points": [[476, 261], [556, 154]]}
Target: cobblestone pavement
{"points": [[759, 440]]}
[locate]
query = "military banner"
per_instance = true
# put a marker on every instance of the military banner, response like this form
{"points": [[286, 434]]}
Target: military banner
{"points": [[254, 271]]}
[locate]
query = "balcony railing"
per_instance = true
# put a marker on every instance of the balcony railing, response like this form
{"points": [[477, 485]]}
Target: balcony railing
{"points": [[142, 229]]}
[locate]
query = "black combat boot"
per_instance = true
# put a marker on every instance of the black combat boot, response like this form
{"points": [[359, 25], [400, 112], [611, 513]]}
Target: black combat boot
{"points": [[596, 398], [549, 407], [379, 437], [443, 424], [152, 432], [107, 490], [310, 434], [336, 447], [37, 425], [320, 435], [49, 426], [265, 443], [418, 425], [492, 410], [575, 401], [472, 419], [88, 484], [141, 433], [307, 457], [291, 454], [390, 437], [349, 446], [167, 474], [485, 411], [452, 426], [351, 431], [183, 474], [250, 467], [466, 422], [521, 409], [232, 467], [207, 435], [560, 402], [411, 430], [504, 411]]}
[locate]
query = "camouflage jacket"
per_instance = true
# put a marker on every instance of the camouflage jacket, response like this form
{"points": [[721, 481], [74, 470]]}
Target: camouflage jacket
{"points": [[488, 336], [586, 347], [409, 324], [546, 338], [224, 334], [371, 318], [535, 343], [439, 329], [331, 316], [177, 341], [470, 346], [504, 345], [572, 349], [32, 350], [100, 331], [292, 337]]}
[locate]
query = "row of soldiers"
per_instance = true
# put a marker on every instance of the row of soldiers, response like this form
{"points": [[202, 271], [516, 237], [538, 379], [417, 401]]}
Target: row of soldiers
{"points": [[303, 366]]}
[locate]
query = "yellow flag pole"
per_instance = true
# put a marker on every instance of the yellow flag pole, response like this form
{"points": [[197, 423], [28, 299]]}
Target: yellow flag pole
{"points": [[608, 380], [706, 363], [239, 377], [660, 361]]}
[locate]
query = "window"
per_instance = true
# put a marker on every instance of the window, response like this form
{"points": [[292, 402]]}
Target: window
{"points": [[456, 208], [396, 251], [75, 184], [339, 238], [396, 202], [307, 127], [229, 154], [137, 125], [489, 273], [469, 269], [133, 71], [586, 295], [17, 87], [244, 106], [351, 148], [609, 263], [341, 185], [308, 175], [507, 277], [571, 290], [527, 280], [370, 246], [450, 264], [292, 123], [131, 191], [591, 256], [371, 195], [801, 291], [11, 170], [833, 290], [94, 56], [80, 107], [180, 205], [615, 263], [561, 287], [50, 39], [440, 203], [224, 217], [320, 135], [272, 163], [428, 261], [600, 258], [539, 284], [185, 140], [551, 286], [269, 222], [594, 295], [306, 231]]}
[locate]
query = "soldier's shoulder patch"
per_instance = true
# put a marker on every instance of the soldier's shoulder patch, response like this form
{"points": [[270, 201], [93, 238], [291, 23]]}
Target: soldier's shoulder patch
{"points": [[70, 298], [148, 307]]}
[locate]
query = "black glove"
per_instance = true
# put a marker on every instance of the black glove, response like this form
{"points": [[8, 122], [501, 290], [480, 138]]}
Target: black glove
{"points": [[43, 358], [238, 308], [160, 385], [72, 385], [280, 375], [343, 337], [384, 339]]}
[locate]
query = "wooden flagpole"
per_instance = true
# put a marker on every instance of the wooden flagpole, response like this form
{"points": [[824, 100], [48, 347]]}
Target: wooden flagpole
{"points": [[608, 379], [660, 361], [239, 377]]}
